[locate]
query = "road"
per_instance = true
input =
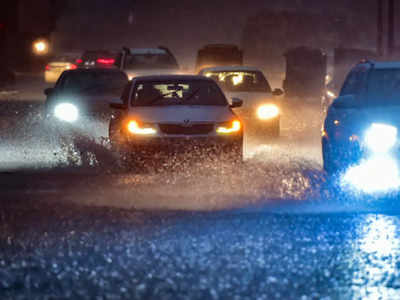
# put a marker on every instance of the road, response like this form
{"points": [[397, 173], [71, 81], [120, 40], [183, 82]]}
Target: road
{"points": [[73, 225]]}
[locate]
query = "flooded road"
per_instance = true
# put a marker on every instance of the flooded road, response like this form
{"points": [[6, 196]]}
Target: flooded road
{"points": [[74, 225]]}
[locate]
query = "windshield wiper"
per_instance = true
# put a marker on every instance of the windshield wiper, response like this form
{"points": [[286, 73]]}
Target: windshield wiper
{"points": [[151, 102], [191, 95]]}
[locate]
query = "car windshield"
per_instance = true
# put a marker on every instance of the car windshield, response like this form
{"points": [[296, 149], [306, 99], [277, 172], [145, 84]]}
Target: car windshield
{"points": [[182, 92], [384, 87], [94, 82], [240, 81], [150, 61]]}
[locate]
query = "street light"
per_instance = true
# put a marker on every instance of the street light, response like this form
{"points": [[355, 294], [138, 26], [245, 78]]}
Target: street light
{"points": [[40, 47]]}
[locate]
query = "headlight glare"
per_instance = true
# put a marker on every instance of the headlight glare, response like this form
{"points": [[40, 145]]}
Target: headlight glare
{"points": [[381, 138], [267, 111], [66, 112], [231, 127], [135, 128]]}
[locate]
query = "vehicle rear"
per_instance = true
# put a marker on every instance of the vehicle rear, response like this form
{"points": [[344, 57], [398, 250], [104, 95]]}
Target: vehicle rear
{"points": [[147, 61], [97, 59], [218, 55], [57, 65]]}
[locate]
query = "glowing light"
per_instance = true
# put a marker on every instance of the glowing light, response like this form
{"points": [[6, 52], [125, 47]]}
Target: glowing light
{"points": [[134, 128], [374, 254], [235, 126], [328, 78], [66, 112], [380, 138], [330, 94], [267, 111], [208, 74], [379, 174], [336, 122], [238, 79], [40, 47], [72, 67], [131, 76]]}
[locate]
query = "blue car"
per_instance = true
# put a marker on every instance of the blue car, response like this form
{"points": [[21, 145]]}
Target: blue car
{"points": [[360, 134]]}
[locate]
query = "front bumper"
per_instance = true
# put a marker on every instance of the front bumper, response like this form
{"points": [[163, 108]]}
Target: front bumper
{"points": [[185, 144]]}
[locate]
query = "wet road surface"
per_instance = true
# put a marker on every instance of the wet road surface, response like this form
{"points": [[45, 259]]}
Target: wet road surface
{"points": [[72, 225]]}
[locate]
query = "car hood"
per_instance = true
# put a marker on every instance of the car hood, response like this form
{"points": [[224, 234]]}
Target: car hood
{"points": [[388, 115], [182, 113]]}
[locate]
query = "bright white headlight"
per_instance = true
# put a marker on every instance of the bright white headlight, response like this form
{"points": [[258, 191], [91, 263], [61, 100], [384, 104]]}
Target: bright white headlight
{"points": [[66, 112], [381, 137], [267, 111]]}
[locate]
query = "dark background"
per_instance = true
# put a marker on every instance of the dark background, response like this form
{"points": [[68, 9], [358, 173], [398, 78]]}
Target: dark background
{"points": [[263, 28]]}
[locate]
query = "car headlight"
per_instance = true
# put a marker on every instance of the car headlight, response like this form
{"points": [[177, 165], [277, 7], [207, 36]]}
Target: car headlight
{"points": [[66, 112], [230, 127], [140, 129], [267, 111], [381, 137]]}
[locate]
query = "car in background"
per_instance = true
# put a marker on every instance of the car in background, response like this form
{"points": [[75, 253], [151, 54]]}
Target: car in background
{"points": [[360, 135], [214, 55], [84, 93], [175, 114], [58, 64], [261, 110], [97, 59], [147, 61]]}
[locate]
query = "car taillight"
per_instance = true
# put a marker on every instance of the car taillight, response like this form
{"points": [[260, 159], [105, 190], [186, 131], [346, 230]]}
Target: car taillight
{"points": [[72, 67], [79, 61], [48, 68], [106, 61]]}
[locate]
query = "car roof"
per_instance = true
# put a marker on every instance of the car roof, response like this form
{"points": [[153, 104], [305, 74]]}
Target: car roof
{"points": [[381, 64], [172, 78], [230, 68], [139, 51], [94, 70]]}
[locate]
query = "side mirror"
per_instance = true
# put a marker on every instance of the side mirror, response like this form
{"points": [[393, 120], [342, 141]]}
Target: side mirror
{"points": [[48, 91], [349, 101], [236, 102], [277, 92]]}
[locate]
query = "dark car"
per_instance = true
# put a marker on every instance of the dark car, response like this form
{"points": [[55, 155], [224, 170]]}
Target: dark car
{"points": [[215, 55], [360, 134], [84, 93], [97, 59], [147, 61]]}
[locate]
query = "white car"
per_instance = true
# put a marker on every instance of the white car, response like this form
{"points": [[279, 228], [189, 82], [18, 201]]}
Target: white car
{"points": [[57, 65], [147, 61], [179, 114], [261, 110]]}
